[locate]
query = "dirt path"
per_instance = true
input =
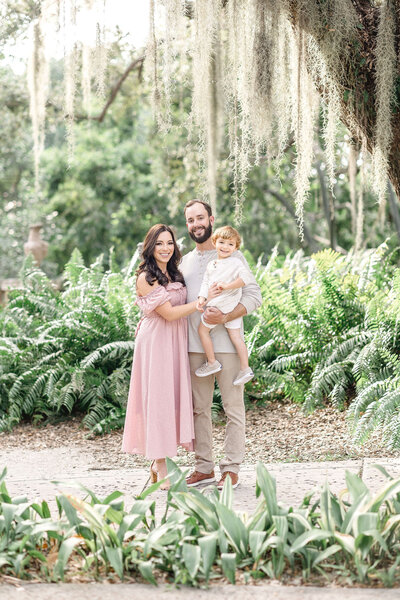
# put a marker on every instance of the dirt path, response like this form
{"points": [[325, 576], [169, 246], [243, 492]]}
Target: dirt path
{"points": [[278, 432]]}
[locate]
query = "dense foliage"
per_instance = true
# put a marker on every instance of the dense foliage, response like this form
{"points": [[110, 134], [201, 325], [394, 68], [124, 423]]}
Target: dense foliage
{"points": [[353, 538], [328, 331], [68, 351]]}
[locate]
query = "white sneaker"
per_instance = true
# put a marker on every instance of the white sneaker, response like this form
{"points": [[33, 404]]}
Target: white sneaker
{"points": [[207, 369], [243, 376]]}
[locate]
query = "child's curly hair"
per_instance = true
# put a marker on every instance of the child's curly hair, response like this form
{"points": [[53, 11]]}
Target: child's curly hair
{"points": [[227, 233]]}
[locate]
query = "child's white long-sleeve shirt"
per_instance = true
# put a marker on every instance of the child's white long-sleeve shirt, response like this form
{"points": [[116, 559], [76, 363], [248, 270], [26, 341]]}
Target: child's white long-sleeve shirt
{"points": [[226, 270]]}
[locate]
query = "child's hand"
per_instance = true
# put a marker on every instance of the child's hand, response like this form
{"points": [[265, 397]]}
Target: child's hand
{"points": [[213, 291], [200, 304]]}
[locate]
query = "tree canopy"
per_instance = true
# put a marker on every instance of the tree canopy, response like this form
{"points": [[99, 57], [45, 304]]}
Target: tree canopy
{"points": [[248, 97]]}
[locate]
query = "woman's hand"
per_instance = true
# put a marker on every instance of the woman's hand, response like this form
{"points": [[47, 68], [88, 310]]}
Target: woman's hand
{"points": [[201, 302], [213, 291]]}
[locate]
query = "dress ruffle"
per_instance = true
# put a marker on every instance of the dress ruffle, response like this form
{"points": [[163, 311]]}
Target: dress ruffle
{"points": [[153, 299]]}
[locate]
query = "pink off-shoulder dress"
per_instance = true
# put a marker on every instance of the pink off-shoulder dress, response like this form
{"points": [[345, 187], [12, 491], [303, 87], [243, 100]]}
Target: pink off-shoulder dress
{"points": [[159, 415]]}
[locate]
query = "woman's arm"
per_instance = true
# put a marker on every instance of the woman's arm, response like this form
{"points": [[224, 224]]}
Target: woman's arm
{"points": [[172, 313], [166, 310]]}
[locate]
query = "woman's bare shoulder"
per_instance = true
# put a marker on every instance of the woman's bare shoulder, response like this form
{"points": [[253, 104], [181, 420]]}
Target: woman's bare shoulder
{"points": [[143, 287]]}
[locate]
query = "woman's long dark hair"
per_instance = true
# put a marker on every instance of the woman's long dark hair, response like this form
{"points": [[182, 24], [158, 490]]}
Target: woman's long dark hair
{"points": [[149, 265]]}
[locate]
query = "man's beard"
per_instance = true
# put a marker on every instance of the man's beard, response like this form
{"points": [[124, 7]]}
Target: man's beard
{"points": [[204, 237]]}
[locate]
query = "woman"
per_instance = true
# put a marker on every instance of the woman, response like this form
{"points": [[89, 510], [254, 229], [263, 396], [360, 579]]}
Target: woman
{"points": [[159, 414]]}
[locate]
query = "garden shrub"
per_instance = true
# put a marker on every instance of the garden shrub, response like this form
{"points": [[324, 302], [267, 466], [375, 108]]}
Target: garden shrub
{"points": [[69, 351]]}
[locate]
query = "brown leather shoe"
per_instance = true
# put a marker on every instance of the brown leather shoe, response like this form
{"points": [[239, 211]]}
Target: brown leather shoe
{"points": [[197, 478], [234, 478]]}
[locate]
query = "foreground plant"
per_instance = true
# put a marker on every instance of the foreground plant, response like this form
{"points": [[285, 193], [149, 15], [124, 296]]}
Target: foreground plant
{"points": [[200, 537]]}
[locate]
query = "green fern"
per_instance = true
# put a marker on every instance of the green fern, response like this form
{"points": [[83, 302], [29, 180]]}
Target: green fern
{"points": [[59, 350]]}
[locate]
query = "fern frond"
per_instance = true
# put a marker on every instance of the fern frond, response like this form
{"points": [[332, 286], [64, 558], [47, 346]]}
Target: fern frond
{"points": [[113, 351]]}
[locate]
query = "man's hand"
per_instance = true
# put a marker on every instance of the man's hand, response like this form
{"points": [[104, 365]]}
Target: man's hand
{"points": [[213, 316]]}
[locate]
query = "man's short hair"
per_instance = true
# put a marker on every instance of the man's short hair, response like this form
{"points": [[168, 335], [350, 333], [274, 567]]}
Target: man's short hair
{"points": [[196, 201]]}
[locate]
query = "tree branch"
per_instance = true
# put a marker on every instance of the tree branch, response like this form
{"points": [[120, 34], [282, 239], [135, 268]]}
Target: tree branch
{"points": [[136, 63]]}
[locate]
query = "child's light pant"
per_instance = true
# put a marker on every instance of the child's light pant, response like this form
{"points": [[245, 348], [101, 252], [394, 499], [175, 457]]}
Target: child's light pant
{"points": [[234, 324]]}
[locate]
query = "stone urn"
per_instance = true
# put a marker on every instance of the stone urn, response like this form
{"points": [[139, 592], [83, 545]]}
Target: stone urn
{"points": [[35, 245]]}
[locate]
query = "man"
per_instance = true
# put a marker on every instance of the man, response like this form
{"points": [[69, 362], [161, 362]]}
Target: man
{"points": [[199, 221]]}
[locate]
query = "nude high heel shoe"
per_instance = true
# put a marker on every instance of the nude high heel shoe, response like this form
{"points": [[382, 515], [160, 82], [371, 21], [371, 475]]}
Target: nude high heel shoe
{"points": [[153, 472], [166, 485]]}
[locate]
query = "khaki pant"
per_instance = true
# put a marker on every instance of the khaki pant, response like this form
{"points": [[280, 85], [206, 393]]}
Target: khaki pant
{"points": [[233, 404]]}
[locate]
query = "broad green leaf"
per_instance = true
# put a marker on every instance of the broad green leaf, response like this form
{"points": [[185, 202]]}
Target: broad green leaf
{"points": [[281, 525], [113, 496], [128, 525], [266, 484], [222, 541], [384, 494], [9, 513], [115, 516], [310, 536], [195, 504], [301, 520], [355, 486], [208, 547], [228, 564], [256, 541], [233, 527], [3, 475], [162, 535], [226, 497], [391, 523], [142, 506], [324, 554], [327, 517], [116, 560], [382, 470], [70, 511], [176, 476], [351, 515], [39, 555], [64, 553], [191, 557], [337, 512], [346, 541], [146, 570], [365, 522]]}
